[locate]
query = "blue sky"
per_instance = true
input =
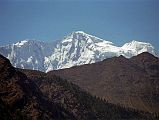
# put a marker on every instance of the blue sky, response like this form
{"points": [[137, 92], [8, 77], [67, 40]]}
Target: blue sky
{"points": [[119, 21]]}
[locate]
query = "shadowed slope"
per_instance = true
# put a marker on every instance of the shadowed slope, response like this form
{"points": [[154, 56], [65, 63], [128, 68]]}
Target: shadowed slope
{"points": [[22, 98]]}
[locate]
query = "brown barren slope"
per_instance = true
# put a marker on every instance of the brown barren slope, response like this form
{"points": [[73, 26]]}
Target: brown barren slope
{"points": [[130, 82], [28, 94]]}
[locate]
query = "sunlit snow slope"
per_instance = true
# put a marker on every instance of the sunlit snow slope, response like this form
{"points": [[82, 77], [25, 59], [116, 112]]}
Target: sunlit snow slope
{"points": [[77, 48]]}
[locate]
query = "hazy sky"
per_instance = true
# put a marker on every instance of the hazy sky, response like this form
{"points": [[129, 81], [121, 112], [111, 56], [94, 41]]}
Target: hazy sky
{"points": [[119, 21]]}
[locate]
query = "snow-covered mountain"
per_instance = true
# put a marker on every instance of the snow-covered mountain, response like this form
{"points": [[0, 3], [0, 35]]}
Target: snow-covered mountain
{"points": [[28, 54], [77, 48]]}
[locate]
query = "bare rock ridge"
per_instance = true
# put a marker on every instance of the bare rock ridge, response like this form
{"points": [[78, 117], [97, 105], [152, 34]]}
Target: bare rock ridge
{"points": [[130, 82], [75, 49]]}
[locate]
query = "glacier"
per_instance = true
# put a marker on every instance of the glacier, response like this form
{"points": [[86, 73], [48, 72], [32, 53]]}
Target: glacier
{"points": [[77, 48]]}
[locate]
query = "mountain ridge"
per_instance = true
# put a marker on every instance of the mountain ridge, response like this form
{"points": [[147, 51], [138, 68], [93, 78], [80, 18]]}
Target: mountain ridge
{"points": [[130, 82], [31, 95], [75, 49]]}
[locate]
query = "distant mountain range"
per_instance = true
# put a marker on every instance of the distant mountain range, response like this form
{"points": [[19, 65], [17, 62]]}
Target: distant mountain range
{"points": [[76, 49]]}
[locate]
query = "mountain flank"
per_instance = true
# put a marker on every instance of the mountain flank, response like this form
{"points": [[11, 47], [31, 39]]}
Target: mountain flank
{"points": [[130, 82], [28, 94]]}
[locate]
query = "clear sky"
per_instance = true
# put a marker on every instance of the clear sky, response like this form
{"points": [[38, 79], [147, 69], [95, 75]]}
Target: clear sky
{"points": [[119, 21]]}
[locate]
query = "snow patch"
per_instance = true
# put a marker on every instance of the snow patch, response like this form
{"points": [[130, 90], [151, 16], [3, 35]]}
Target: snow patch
{"points": [[21, 43], [30, 59]]}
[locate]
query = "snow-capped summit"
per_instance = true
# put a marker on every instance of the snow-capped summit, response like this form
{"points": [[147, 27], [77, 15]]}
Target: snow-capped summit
{"points": [[136, 45], [21, 43], [82, 36], [30, 42], [77, 48], [27, 54], [80, 48], [139, 47]]}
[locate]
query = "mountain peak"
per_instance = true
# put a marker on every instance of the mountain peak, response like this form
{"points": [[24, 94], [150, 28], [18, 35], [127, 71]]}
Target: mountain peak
{"points": [[135, 43], [145, 55], [81, 36], [3, 59], [139, 47], [21, 43], [24, 42], [28, 42], [79, 32], [122, 57], [6, 68]]}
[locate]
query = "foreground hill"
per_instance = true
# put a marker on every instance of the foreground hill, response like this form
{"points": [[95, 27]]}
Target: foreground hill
{"points": [[21, 98], [28, 94], [130, 82]]}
